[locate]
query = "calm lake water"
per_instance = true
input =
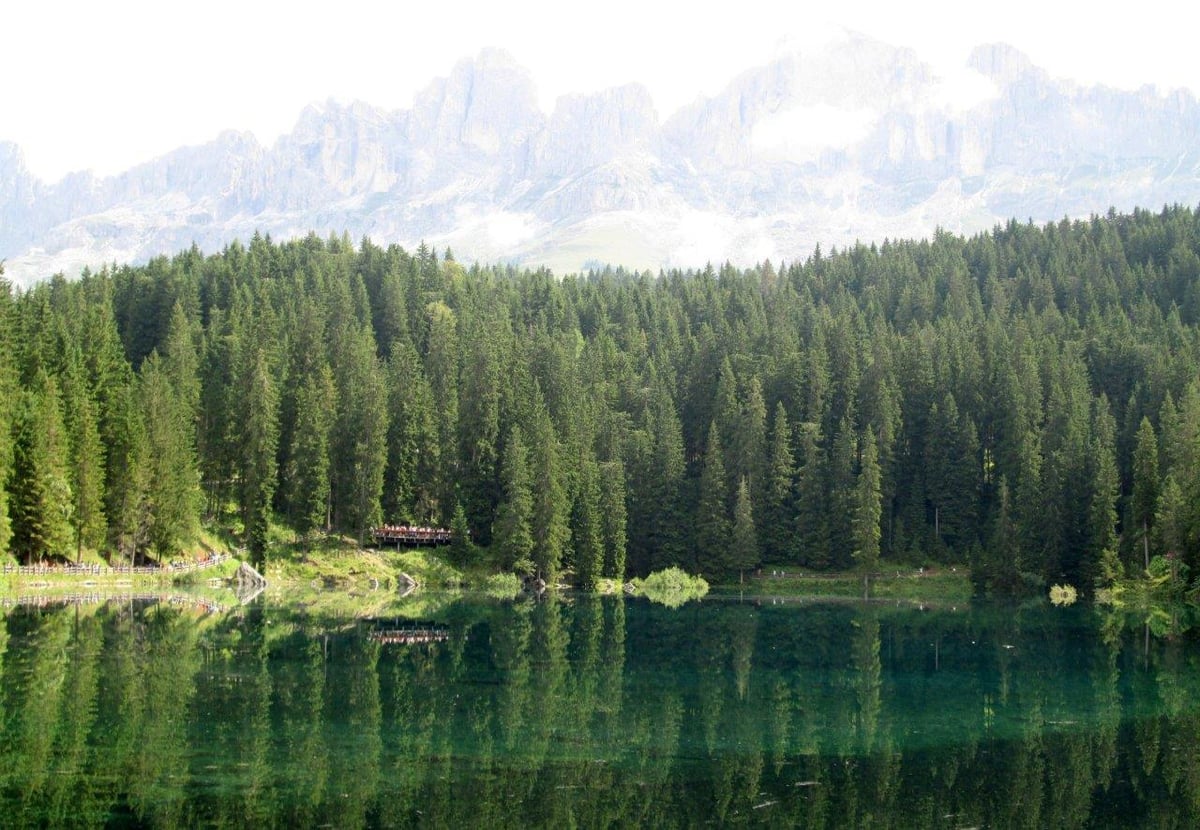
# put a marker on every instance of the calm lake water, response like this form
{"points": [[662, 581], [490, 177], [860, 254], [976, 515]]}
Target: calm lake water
{"points": [[597, 713]]}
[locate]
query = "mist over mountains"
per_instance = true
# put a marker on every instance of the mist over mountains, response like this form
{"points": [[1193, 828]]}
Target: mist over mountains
{"points": [[856, 140]]}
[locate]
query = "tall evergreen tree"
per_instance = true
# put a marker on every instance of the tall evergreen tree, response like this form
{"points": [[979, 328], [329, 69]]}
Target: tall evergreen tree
{"points": [[512, 534], [614, 518], [812, 516], [169, 513], [40, 486], [712, 511], [778, 531], [8, 398], [441, 363], [259, 440], [744, 552], [413, 451], [1144, 500], [587, 531], [867, 507], [551, 508], [86, 463], [128, 473], [306, 479], [359, 436]]}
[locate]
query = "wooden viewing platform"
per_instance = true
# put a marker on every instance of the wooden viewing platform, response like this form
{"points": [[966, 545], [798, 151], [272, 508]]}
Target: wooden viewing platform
{"points": [[411, 536], [410, 636]]}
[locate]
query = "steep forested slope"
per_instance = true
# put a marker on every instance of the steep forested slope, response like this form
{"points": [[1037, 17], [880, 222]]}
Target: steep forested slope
{"points": [[1024, 401]]}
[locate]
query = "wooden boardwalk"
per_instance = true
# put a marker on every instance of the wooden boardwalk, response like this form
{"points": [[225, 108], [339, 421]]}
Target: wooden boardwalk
{"points": [[96, 598], [408, 536], [116, 570], [410, 636]]}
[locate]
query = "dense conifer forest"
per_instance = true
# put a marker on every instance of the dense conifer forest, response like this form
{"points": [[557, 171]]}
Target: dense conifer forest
{"points": [[1025, 402]]}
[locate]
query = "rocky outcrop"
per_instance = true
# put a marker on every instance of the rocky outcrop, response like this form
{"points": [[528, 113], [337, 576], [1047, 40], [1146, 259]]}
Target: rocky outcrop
{"points": [[853, 140]]}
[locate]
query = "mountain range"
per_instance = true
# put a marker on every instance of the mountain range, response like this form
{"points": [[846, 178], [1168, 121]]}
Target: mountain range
{"points": [[853, 140]]}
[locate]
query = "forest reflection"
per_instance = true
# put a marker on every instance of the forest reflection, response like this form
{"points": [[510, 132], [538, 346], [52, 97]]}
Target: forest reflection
{"points": [[598, 712]]}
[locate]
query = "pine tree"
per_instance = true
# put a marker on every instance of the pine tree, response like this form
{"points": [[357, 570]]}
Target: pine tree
{"points": [[812, 515], [441, 367], [413, 452], [778, 533], [86, 465], [463, 551], [867, 507], [259, 440], [751, 462], [479, 422], [842, 454], [1105, 484], [306, 479], [1144, 500], [512, 534], [8, 398], [169, 512], [127, 473], [587, 531], [614, 517], [712, 511], [744, 544], [359, 435], [1170, 520], [40, 486], [551, 508]]}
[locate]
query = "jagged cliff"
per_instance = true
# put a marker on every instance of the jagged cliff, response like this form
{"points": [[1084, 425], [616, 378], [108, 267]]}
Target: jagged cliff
{"points": [[853, 140]]}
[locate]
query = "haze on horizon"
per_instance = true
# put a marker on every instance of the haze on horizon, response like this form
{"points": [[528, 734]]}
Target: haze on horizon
{"points": [[107, 87]]}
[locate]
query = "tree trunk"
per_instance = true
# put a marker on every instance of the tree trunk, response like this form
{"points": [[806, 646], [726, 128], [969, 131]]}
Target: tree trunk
{"points": [[1146, 542]]}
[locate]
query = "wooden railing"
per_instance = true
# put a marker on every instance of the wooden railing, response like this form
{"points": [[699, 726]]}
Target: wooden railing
{"points": [[116, 570]]}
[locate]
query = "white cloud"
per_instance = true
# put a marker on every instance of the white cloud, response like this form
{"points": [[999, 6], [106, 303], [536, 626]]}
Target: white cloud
{"points": [[105, 85], [802, 134]]}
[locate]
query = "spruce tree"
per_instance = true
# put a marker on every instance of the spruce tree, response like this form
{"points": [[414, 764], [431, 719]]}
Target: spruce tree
{"points": [[867, 508], [613, 517], [413, 452], [1144, 499], [40, 484], [8, 401], [359, 435], [712, 511], [128, 473], [812, 515], [744, 551], [551, 508], [842, 453], [169, 514], [259, 438], [512, 534], [86, 465], [306, 479], [463, 550], [587, 531], [778, 532]]}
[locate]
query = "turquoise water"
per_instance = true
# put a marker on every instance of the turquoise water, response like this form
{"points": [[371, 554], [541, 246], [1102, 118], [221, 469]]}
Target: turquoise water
{"points": [[598, 713]]}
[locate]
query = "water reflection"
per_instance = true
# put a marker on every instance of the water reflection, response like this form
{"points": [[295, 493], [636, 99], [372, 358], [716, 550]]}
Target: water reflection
{"points": [[595, 712]]}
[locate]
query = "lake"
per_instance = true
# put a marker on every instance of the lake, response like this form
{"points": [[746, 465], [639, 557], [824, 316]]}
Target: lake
{"points": [[596, 713]]}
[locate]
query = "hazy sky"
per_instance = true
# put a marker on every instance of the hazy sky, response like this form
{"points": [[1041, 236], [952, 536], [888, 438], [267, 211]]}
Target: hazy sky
{"points": [[106, 85]]}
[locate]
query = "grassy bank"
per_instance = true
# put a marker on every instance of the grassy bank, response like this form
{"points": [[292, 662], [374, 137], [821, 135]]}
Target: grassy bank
{"points": [[917, 586]]}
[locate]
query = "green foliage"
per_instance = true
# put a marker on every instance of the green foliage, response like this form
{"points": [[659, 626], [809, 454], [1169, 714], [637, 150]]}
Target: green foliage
{"points": [[1030, 394], [712, 511], [671, 587], [512, 533], [40, 488], [867, 508], [463, 551]]}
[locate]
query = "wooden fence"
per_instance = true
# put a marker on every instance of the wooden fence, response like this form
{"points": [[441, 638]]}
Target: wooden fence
{"points": [[117, 570]]}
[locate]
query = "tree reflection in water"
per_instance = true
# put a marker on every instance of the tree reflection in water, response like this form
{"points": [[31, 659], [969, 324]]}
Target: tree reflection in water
{"points": [[595, 712]]}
